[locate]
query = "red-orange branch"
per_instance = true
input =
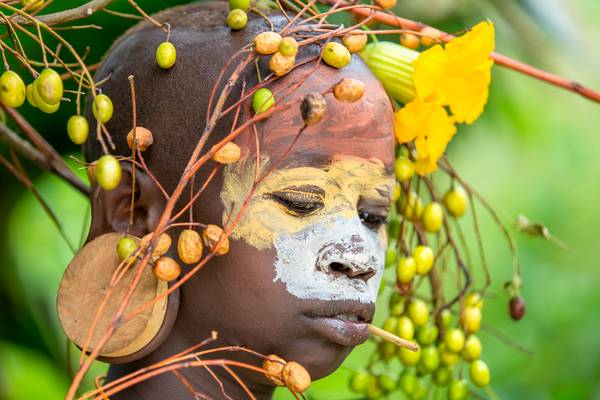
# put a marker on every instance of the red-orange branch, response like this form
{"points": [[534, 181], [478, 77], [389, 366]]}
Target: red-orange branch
{"points": [[498, 58]]}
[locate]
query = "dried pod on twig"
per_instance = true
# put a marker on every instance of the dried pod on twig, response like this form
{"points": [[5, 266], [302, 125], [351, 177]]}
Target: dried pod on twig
{"points": [[227, 154], [166, 269], [162, 245], [211, 236], [274, 365], [280, 64], [189, 246], [143, 137], [267, 42], [355, 42], [349, 90], [313, 108], [296, 377]]}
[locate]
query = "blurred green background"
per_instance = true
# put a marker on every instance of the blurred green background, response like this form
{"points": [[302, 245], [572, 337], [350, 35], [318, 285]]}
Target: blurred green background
{"points": [[536, 151]]}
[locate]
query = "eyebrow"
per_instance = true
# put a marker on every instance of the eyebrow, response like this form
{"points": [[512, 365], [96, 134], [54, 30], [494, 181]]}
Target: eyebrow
{"points": [[307, 189]]}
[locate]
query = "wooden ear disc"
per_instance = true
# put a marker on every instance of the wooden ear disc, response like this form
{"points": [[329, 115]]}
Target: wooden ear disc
{"points": [[83, 289]]}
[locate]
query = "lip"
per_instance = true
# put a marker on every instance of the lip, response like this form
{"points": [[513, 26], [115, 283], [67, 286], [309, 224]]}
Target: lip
{"points": [[330, 320]]}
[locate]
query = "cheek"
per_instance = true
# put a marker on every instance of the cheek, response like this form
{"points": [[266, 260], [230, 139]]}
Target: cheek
{"points": [[304, 261]]}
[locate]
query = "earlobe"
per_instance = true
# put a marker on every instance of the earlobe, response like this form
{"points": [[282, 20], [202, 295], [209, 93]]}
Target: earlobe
{"points": [[111, 210]]}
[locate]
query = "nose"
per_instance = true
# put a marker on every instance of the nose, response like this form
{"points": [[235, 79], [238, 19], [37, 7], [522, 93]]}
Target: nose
{"points": [[347, 257]]}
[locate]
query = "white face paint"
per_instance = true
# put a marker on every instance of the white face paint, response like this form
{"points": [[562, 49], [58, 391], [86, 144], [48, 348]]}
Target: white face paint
{"points": [[304, 260]]}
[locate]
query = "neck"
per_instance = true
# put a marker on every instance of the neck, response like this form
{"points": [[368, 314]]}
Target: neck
{"points": [[190, 382]]}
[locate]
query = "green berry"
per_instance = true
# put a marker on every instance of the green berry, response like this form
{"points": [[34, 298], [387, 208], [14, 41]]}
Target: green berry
{"points": [[409, 357], [166, 54], [480, 373], [472, 350], [406, 269], [360, 381], [390, 325], [427, 334], [262, 100], [12, 89], [336, 55], [108, 172], [411, 206], [126, 247], [391, 255], [78, 129], [373, 389], [50, 86], [455, 201], [408, 382], [404, 169], [387, 350], [430, 358], [420, 391], [458, 390], [102, 108], [446, 316], [446, 356], [418, 312], [442, 376], [454, 340], [424, 258], [239, 4], [433, 217], [387, 383], [237, 19]]}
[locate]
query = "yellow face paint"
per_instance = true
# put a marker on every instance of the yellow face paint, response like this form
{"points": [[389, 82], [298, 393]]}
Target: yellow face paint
{"points": [[311, 217]]}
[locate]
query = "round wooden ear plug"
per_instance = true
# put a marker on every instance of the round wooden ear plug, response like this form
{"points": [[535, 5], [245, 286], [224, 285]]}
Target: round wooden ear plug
{"points": [[83, 288]]}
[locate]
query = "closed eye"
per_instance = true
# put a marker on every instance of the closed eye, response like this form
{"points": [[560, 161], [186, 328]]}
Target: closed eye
{"points": [[298, 203]]}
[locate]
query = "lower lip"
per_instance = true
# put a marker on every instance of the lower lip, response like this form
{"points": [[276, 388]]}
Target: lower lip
{"points": [[342, 332]]}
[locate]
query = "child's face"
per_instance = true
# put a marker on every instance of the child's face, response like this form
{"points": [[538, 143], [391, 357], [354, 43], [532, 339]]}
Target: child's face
{"points": [[307, 256]]}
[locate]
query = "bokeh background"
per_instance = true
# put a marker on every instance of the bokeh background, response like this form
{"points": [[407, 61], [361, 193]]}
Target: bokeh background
{"points": [[535, 151]]}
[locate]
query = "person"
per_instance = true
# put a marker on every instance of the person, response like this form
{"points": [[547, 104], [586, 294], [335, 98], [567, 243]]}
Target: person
{"points": [[306, 259]]}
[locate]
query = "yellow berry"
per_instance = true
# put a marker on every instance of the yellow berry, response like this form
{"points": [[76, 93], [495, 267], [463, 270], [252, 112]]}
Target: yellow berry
{"points": [[288, 46], [454, 340], [471, 319], [433, 217], [472, 350], [30, 97], [411, 206], [78, 129], [12, 89], [336, 55], [474, 300], [108, 172], [418, 312], [405, 328], [50, 86], [409, 357], [241, 4], [237, 19], [404, 169], [480, 373], [166, 55], [424, 258], [456, 201], [447, 357], [32, 4], [126, 247], [102, 108], [410, 41], [406, 269]]}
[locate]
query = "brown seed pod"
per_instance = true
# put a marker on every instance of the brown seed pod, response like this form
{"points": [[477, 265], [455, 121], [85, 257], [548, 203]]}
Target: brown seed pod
{"points": [[313, 108], [143, 137], [410, 41], [267, 42], [386, 4], [354, 42], [516, 307], [280, 64], [228, 154], [288, 46], [189, 246], [166, 269], [91, 172], [296, 377], [430, 36], [162, 245], [349, 90], [211, 236], [274, 365]]}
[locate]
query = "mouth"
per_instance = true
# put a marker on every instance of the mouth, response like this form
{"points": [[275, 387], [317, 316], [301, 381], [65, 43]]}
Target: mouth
{"points": [[342, 322]]}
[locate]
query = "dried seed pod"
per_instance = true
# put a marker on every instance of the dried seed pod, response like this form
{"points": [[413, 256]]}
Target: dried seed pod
{"points": [[386, 4], [91, 172], [410, 40], [274, 365], [354, 42], [166, 269], [189, 246], [267, 42], [349, 90], [280, 64], [162, 245], [227, 154], [142, 136], [516, 307], [211, 236], [296, 377], [288, 46], [313, 108], [430, 36]]}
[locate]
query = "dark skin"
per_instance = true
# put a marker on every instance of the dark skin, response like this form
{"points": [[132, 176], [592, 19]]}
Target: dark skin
{"points": [[236, 294]]}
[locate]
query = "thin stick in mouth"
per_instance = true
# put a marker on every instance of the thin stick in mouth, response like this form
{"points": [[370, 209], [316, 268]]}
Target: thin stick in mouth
{"points": [[390, 337]]}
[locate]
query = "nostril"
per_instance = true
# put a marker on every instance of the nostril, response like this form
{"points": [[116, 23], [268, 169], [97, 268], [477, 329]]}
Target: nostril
{"points": [[340, 269]]}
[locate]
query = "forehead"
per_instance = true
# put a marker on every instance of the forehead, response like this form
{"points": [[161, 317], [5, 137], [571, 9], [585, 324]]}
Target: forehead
{"points": [[362, 129]]}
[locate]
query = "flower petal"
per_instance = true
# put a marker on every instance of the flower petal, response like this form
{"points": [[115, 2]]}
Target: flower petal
{"points": [[440, 129], [412, 120], [430, 69]]}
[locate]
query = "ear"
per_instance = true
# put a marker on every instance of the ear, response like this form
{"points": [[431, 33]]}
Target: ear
{"points": [[111, 209]]}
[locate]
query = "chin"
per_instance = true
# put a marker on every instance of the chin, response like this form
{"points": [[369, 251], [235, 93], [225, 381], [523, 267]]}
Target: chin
{"points": [[322, 359]]}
